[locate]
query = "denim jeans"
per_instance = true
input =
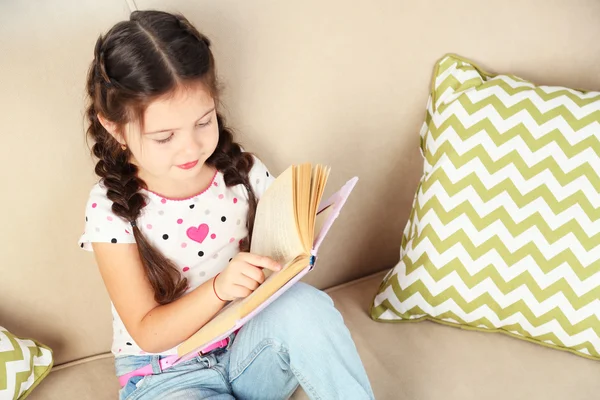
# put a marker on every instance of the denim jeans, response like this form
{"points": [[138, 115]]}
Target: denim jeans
{"points": [[300, 339]]}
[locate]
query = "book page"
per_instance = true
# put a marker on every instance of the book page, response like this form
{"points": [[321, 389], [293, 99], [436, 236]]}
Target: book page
{"points": [[304, 177], [319, 180], [276, 233]]}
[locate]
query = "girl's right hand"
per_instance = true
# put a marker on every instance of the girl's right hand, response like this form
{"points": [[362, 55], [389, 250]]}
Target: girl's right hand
{"points": [[242, 276]]}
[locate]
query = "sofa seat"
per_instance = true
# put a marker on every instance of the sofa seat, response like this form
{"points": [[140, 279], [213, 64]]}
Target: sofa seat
{"points": [[416, 361]]}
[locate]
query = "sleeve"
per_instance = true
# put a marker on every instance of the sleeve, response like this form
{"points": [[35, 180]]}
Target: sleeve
{"points": [[101, 224], [260, 177]]}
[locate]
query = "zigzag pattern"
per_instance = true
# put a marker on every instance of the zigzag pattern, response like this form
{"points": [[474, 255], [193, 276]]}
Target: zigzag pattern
{"points": [[504, 233], [19, 367]]}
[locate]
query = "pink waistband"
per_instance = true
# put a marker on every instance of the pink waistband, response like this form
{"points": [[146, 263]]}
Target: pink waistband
{"points": [[168, 362]]}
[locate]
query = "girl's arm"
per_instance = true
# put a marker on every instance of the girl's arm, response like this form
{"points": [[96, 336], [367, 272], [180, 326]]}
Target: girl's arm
{"points": [[157, 328]]}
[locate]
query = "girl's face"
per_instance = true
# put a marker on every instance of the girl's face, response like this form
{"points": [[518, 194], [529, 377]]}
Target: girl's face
{"points": [[180, 132]]}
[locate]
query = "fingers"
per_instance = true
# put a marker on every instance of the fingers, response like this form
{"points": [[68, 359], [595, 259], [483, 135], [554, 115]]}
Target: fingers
{"points": [[245, 274], [261, 261], [254, 273], [244, 281]]}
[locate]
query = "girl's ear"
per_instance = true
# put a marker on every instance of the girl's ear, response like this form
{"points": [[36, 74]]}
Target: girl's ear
{"points": [[111, 128]]}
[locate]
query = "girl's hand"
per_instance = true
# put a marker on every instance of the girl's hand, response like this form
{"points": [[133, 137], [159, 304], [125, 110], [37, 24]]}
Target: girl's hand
{"points": [[242, 276]]}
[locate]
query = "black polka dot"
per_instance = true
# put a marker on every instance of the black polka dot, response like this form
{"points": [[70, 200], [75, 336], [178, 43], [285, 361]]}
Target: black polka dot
{"points": [[128, 344], [230, 259], [165, 236], [82, 245], [201, 254], [223, 219], [192, 206], [267, 174], [113, 240], [86, 220]]}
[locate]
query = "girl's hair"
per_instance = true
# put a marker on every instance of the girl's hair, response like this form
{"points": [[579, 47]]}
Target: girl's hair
{"points": [[137, 61]]}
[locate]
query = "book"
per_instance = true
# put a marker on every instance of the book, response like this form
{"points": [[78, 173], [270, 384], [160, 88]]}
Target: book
{"points": [[290, 224]]}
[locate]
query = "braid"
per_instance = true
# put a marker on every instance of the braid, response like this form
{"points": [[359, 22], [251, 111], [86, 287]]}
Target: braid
{"points": [[122, 184], [119, 177], [235, 165]]}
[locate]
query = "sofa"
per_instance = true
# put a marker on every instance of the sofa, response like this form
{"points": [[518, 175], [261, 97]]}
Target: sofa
{"points": [[340, 82]]}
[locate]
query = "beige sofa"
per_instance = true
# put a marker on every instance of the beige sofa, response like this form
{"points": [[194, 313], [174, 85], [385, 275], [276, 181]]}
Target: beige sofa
{"points": [[339, 82]]}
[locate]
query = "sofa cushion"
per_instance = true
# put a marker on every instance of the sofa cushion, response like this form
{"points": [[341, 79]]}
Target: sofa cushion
{"points": [[23, 365], [401, 361], [504, 232]]}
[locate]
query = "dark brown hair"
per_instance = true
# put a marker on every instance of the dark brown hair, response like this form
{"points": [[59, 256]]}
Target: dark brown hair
{"points": [[137, 61]]}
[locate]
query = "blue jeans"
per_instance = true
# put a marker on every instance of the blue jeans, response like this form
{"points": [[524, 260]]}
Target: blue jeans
{"points": [[300, 339]]}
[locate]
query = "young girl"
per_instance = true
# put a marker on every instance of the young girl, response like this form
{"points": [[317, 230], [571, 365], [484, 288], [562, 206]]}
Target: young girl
{"points": [[170, 223]]}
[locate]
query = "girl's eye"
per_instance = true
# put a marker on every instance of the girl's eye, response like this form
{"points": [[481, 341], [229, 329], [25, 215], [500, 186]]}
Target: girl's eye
{"points": [[165, 140], [203, 124]]}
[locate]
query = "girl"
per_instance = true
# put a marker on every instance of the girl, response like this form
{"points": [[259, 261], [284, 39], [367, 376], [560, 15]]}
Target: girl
{"points": [[170, 223]]}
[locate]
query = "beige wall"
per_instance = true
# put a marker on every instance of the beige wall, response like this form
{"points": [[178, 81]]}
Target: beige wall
{"points": [[340, 82]]}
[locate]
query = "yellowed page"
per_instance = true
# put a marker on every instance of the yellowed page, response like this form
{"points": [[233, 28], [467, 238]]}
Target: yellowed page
{"points": [[314, 183], [275, 232], [319, 180], [303, 177]]}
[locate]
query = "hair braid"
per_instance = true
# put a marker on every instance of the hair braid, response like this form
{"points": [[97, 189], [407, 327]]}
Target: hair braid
{"points": [[235, 165]]}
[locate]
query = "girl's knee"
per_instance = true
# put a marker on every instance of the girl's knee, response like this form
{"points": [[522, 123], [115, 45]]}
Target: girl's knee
{"points": [[305, 296], [302, 304]]}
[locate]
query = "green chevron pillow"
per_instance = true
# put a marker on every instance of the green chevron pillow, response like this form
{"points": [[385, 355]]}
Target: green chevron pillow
{"points": [[504, 234], [23, 364]]}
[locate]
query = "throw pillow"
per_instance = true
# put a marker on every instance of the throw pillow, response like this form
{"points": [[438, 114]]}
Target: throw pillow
{"points": [[504, 234], [23, 364]]}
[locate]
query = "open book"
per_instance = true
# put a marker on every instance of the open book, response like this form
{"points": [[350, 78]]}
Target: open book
{"points": [[291, 222]]}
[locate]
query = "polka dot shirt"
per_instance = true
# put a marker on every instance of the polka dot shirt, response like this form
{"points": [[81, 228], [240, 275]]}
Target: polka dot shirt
{"points": [[200, 234]]}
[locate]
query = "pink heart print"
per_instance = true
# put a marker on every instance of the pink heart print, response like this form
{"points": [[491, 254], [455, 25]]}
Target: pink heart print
{"points": [[198, 234]]}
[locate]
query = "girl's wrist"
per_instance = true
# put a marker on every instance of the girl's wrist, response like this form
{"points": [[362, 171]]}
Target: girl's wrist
{"points": [[214, 285]]}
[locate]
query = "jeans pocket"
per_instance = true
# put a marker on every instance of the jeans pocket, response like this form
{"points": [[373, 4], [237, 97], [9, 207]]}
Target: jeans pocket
{"points": [[133, 386], [126, 364]]}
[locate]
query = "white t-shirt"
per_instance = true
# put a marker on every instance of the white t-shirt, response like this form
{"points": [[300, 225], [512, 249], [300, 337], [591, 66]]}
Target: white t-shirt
{"points": [[199, 234]]}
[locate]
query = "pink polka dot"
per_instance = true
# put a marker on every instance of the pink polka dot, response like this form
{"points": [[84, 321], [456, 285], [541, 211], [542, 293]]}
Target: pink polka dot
{"points": [[213, 236], [215, 183], [186, 269], [180, 221], [231, 240], [109, 218], [183, 245], [127, 232], [149, 226], [163, 201], [120, 350], [94, 205], [234, 200], [221, 197]]}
